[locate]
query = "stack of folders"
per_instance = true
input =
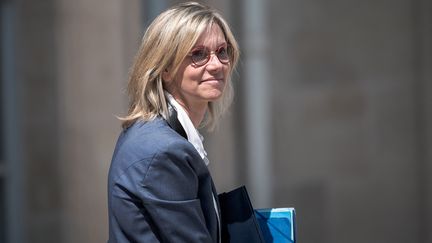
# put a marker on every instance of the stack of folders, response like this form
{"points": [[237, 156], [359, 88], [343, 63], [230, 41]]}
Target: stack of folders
{"points": [[241, 223]]}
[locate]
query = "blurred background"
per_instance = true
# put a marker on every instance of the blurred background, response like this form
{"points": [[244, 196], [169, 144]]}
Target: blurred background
{"points": [[332, 115]]}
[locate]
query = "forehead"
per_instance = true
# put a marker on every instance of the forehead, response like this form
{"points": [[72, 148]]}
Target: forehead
{"points": [[212, 36]]}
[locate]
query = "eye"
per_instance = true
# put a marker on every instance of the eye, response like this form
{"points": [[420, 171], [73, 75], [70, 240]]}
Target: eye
{"points": [[199, 55], [222, 50], [222, 54]]}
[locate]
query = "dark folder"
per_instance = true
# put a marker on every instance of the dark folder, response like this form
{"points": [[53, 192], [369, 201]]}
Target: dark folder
{"points": [[238, 221]]}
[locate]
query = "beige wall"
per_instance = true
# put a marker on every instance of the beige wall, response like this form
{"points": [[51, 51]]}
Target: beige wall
{"points": [[346, 157], [350, 118], [96, 40]]}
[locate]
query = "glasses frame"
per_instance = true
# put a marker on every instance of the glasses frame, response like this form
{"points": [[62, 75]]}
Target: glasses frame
{"points": [[210, 53]]}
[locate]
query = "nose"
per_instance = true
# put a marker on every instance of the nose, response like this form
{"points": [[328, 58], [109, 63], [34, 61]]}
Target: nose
{"points": [[214, 63]]}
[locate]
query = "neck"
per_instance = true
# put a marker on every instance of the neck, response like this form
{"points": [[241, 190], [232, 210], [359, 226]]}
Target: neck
{"points": [[195, 113], [195, 110]]}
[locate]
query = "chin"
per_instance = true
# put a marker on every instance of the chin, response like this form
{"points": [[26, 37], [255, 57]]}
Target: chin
{"points": [[214, 95]]}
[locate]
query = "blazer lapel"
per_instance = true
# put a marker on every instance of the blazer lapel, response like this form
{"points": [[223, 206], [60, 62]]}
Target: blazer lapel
{"points": [[216, 196], [219, 216], [174, 123]]}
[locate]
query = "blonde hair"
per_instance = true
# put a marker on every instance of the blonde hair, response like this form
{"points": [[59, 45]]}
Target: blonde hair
{"points": [[166, 43]]}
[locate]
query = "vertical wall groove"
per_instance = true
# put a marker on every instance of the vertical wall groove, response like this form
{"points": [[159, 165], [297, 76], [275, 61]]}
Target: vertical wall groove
{"points": [[422, 78]]}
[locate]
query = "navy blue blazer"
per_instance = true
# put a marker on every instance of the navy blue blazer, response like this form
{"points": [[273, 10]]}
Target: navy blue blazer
{"points": [[159, 189]]}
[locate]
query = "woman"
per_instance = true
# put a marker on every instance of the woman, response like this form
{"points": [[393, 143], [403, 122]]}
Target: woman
{"points": [[159, 187]]}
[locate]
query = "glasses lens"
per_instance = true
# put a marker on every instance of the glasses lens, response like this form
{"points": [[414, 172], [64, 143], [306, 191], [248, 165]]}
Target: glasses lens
{"points": [[200, 56], [223, 54]]}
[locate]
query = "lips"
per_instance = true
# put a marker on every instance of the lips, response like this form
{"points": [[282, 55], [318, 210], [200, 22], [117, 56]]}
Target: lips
{"points": [[213, 79]]}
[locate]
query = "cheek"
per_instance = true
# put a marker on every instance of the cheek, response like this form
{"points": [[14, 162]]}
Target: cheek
{"points": [[191, 76], [183, 76]]}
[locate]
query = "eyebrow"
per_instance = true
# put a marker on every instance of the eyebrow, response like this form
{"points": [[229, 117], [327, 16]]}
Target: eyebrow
{"points": [[202, 46]]}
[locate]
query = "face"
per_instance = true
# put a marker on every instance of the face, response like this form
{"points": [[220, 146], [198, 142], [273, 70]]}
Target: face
{"points": [[194, 86]]}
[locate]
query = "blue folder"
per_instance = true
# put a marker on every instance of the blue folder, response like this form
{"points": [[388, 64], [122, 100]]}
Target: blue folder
{"points": [[277, 224]]}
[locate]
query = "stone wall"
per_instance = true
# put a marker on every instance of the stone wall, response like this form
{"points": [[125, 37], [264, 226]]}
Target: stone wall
{"points": [[350, 132]]}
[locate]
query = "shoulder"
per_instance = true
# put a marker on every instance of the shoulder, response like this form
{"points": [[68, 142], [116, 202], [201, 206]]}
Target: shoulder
{"points": [[145, 139], [151, 159], [146, 143]]}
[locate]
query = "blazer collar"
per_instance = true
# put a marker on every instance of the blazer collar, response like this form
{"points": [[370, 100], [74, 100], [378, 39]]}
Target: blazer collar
{"points": [[174, 123]]}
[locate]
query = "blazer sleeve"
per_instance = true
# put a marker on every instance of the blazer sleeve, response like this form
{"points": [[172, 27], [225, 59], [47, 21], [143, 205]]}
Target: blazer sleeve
{"points": [[156, 200]]}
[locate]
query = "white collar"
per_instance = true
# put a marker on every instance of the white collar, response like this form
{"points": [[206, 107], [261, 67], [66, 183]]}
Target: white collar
{"points": [[194, 137]]}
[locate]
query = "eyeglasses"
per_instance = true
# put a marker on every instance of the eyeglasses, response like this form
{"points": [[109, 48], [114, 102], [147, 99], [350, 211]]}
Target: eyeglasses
{"points": [[201, 56]]}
